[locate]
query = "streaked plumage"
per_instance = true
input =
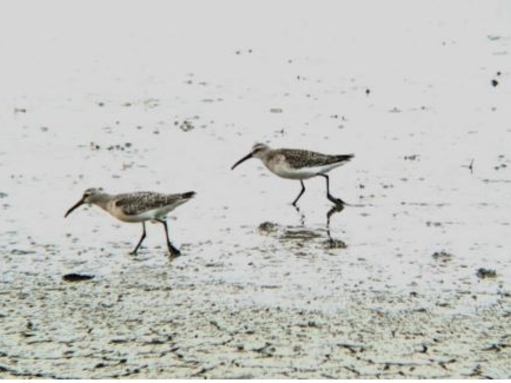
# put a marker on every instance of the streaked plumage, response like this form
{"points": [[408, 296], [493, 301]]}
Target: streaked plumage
{"points": [[140, 203], [298, 164], [136, 207]]}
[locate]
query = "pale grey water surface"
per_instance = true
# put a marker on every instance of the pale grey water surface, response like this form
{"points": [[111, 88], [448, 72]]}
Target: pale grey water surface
{"points": [[166, 96]]}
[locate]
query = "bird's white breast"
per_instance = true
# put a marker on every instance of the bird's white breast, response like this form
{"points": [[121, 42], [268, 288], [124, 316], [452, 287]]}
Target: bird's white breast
{"points": [[282, 169]]}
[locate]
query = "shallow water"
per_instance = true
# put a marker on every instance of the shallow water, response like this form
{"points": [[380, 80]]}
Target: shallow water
{"points": [[169, 111]]}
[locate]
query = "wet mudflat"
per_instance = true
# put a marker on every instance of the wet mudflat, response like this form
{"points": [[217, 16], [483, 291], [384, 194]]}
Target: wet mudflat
{"points": [[189, 329], [410, 281]]}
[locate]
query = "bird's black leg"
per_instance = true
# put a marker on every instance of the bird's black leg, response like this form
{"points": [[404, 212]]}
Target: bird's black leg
{"points": [[335, 200], [299, 195], [134, 252], [172, 250]]}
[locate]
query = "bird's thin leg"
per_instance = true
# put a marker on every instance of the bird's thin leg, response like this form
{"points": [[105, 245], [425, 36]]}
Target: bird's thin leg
{"points": [[299, 195], [134, 252], [172, 250], [335, 200]]}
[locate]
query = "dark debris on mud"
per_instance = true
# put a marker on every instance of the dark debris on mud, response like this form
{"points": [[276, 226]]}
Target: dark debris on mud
{"points": [[268, 227], [74, 277], [442, 256], [486, 273]]}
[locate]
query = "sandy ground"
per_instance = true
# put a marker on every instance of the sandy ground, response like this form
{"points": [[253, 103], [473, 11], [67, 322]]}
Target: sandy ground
{"points": [[167, 101]]}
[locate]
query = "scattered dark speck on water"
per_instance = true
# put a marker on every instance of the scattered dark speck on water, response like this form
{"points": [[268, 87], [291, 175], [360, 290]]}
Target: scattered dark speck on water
{"points": [[368, 91], [186, 126], [494, 82], [74, 277], [3, 195], [442, 256], [115, 147], [486, 273], [21, 252]]}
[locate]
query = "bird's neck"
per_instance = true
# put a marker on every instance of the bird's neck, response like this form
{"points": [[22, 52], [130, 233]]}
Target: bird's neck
{"points": [[264, 156], [102, 200]]}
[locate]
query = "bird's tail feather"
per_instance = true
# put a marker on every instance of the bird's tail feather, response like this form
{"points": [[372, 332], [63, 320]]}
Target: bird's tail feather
{"points": [[344, 157]]}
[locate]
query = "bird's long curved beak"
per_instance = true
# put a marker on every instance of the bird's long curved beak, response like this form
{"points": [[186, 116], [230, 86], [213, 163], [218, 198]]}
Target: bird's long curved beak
{"points": [[248, 156], [78, 204]]}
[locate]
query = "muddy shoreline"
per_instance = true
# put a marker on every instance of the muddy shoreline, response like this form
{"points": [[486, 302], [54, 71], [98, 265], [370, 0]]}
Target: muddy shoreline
{"points": [[99, 329]]}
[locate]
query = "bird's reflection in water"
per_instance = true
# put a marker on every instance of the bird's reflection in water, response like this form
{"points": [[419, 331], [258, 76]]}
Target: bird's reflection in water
{"points": [[333, 243], [334, 210], [302, 216]]}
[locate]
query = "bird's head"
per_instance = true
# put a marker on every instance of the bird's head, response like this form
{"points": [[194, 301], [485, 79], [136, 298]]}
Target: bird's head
{"points": [[258, 151], [89, 196]]}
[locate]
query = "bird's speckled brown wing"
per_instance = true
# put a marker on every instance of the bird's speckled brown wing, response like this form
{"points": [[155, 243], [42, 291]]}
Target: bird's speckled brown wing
{"points": [[304, 158], [139, 202]]}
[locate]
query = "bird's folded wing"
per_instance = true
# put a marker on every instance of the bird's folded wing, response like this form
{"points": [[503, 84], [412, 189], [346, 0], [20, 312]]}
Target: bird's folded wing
{"points": [[143, 201], [304, 158]]}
